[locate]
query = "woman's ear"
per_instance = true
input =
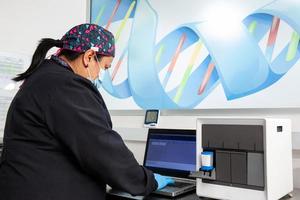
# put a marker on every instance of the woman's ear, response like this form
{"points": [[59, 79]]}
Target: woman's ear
{"points": [[87, 57]]}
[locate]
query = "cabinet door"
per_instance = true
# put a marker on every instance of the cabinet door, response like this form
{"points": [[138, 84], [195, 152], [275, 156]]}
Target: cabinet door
{"points": [[256, 169], [223, 172], [239, 167]]}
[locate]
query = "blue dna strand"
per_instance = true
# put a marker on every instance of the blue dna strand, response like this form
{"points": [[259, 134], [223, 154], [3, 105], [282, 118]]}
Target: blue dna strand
{"points": [[243, 65]]}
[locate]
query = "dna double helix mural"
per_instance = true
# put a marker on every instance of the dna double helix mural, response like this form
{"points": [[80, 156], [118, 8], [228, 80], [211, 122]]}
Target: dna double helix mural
{"points": [[245, 64]]}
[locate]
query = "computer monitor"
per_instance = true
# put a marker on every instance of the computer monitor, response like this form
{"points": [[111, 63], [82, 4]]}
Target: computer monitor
{"points": [[171, 152]]}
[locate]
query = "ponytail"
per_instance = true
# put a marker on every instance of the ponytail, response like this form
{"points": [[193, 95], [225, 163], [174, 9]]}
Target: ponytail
{"points": [[38, 57]]}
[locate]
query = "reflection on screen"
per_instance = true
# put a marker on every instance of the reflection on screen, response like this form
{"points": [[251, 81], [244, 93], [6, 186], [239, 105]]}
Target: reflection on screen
{"points": [[172, 152]]}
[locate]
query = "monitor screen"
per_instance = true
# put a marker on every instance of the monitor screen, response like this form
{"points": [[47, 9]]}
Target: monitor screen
{"points": [[171, 149]]}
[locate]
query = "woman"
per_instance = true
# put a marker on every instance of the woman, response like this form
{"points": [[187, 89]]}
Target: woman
{"points": [[58, 138]]}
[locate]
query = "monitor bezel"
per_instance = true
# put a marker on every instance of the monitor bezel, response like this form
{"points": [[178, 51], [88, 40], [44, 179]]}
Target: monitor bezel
{"points": [[164, 171]]}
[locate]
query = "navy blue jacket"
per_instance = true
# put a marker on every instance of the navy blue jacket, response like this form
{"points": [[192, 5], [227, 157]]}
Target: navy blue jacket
{"points": [[59, 143]]}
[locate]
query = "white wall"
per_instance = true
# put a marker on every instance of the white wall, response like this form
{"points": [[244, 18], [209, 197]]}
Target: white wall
{"points": [[24, 23]]}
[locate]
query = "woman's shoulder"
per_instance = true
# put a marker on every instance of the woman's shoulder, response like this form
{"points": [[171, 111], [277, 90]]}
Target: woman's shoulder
{"points": [[51, 72], [51, 76]]}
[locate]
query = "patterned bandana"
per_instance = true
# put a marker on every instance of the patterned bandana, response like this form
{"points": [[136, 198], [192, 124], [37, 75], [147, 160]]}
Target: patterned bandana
{"points": [[89, 36]]}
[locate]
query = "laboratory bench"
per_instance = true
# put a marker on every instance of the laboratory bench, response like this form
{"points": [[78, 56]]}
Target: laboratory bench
{"points": [[193, 196]]}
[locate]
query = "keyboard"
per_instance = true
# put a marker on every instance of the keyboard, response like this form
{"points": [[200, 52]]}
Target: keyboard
{"points": [[175, 186], [180, 184]]}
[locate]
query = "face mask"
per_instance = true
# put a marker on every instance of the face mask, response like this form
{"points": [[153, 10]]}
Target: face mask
{"points": [[98, 81]]}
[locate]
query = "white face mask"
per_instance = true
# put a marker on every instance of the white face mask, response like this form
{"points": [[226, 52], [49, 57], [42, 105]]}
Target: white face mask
{"points": [[98, 81]]}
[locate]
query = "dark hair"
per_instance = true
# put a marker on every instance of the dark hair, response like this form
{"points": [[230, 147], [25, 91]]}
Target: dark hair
{"points": [[72, 55], [40, 53], [69, 54]]}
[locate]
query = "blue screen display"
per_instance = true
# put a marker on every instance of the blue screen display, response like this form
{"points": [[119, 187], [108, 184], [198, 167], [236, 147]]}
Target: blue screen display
{"points": [[176, 152]]}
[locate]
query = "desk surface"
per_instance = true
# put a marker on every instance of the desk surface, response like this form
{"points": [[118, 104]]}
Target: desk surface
{"points": [[193, 196]]}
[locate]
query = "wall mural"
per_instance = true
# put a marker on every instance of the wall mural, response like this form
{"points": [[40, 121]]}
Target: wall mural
{"points": [[181, 68]]}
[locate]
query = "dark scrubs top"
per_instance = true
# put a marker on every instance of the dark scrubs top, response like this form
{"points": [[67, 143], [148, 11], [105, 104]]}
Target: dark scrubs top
{"points": [[59, 143]]}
